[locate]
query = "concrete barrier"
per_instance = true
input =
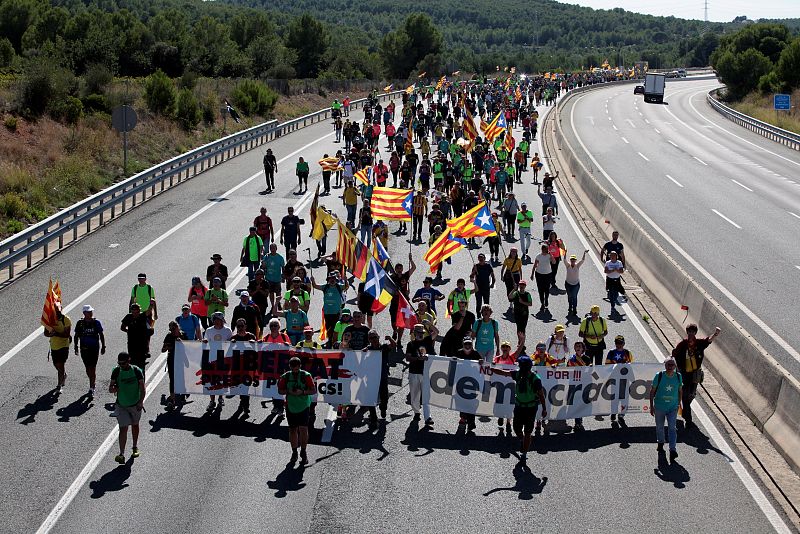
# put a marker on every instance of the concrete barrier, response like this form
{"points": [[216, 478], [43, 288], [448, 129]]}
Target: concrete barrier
{"points": [[766, 392]]}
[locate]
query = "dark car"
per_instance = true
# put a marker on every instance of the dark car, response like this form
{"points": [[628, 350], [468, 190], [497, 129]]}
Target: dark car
{"points": [[638, 90]]}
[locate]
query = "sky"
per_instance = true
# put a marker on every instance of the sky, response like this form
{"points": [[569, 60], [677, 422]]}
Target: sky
{"points": [[718, 10]]}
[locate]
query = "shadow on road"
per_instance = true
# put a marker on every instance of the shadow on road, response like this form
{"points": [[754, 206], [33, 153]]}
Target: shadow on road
{"points": [[671, 472], [527, 484], [76, 408], [290, 479], [45, 403], [114, 480]]}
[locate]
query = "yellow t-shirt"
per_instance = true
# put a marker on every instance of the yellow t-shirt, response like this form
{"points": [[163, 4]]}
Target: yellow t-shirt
{"points": [[57, 343]]}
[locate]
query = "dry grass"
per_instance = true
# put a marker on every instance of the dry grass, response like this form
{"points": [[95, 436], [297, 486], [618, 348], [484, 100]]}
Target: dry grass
{"points": [[760, 107]]}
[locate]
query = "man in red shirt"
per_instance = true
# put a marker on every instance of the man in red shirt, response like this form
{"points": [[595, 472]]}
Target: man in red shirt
{"points": [[263, 226], [381, 172]]}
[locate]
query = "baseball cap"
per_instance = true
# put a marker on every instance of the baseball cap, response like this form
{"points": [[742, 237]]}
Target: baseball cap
{"points": [[522, 283], [308, 329], [541, 346], [559, 328], [88, 308], [595, 309], [218, 315], [142, 275], [253, 228], [619, 337], [468, 339], [244, 294], [506, 344], [216, 257], [186, 307], [346, 311], [573, 257]]}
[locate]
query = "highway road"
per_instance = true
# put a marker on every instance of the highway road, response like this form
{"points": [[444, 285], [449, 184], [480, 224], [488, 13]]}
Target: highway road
{"points": [[202, 474], [723, 201]]}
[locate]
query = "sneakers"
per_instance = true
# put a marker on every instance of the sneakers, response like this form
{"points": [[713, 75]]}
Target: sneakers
{"points": [[90, 393], [221, 401], [429, 421], [416, 417], [212, 405], [673, 454], [135, 453], [120, 459]]}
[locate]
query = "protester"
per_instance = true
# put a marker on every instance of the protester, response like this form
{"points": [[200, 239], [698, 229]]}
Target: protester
{"points": [[666, 393], [417, 352], [175, 333], [91, 342], [127, 383], [572, 282], [297, 386], [689, 354]]}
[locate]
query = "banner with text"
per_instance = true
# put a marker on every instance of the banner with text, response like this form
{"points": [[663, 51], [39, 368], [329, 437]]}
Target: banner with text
{"points": [[250, 368], [570, 392]]}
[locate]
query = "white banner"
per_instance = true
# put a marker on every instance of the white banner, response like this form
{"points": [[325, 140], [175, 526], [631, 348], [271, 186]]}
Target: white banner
{"points": [[250, 368], [570, 392]]}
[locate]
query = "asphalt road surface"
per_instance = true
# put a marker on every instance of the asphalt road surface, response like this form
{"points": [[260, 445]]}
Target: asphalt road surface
{"points": [[200, 473], [726, 201]]}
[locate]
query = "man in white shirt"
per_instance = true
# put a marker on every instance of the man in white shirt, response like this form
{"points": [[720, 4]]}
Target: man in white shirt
{"points": [[613, 270], [215, 335]]}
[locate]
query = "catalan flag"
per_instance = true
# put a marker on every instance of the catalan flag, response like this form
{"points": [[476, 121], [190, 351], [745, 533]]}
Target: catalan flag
{"points": [[330, 164], [388, 88], [496, 127], [362, 258], [52, 300], [518, 94], [476, 222], [391, 204], [445, 246], [470, 132], [441, 82], [508, 142], [410, 89], [409, 144], [363, 175], [345, 248]]}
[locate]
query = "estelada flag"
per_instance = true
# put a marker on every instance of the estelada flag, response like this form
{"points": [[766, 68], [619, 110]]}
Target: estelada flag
{"points": [[390, 204], [476, 222], [442, 248], [406, 316], [508, 142], [330, 164], [52, 301]]}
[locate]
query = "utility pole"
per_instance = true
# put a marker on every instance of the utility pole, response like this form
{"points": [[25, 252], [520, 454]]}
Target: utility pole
{"points": [[705, 17]]}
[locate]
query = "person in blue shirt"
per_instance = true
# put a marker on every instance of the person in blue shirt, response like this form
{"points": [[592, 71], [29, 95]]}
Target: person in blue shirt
{"points": [[189, 323], [665, 402], [428, 293], [273, 271], [332, 303]]}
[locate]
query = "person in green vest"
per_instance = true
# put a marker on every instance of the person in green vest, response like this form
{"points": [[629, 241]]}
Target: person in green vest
{"points": [[525, 147], [466, 178], [298, 387], [252, 249], [524, 220], [528, 396], [438, 173], [301, 170]]}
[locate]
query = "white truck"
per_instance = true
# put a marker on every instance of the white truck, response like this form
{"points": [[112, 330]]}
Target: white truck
{"points": [[654, 87]]}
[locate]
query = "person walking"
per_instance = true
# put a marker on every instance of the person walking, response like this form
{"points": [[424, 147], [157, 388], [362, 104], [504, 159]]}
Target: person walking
{"points": [[175, 333], [572, 282], [270, 168], [689, 354], [127, 383], [524, 221], [91, 342], [301, 170], [542, 272], [593, 330], [297, 386], [666, 395], [252, 249], [613, 269], [60, 339]]}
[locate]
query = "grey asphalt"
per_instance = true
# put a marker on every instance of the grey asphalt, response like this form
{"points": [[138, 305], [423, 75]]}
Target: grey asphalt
{"points": [[198, 473], [720, 166]]}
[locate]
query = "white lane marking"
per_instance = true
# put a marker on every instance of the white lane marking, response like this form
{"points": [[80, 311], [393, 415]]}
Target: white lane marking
{"points": [[741, 185], [155, 379], [643, 156], [630, 122], [676, 182], [591, 119], [626, 141], [731, 133], [672, 143], [680, 250], [794, 214], [657, 131], [798, 266], [700, 160], [640, 114], [615, 127], [727, 219], [606, 110], [127, 263], [647, 121], [747, 480]]}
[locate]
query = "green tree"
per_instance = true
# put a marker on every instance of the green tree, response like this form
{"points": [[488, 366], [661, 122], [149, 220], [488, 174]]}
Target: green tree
{"points": [[253, 98], [15, 17], [741, 72], [788, 67], [160, 94], [310, 40], [250, 25], [267, 53], [6, 52], [213, 53], [188, 110], [416, 43]]}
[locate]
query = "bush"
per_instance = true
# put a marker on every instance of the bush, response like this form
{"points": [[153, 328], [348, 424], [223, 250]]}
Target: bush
{"points": [[188, 80], [43, 85], [6, 53], [209, 109], [68, 110], [253, 98], [160, 94], [188, 110], [97, 77], [95, 103], [10, 123], [13, 206]]}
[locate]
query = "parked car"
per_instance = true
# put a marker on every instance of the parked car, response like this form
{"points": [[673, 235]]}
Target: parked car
{"points": [[638, 90], [681, 73]]}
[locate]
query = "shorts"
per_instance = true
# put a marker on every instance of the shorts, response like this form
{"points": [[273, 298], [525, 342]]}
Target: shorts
{"points": [[295, 420], [274, 287], [59, 355], [525, 419], [127, 415], [90, 355]]}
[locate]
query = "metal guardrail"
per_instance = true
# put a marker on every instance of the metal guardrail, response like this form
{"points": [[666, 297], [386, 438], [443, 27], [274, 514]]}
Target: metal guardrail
{"points": [[28, 248], [773, 133]]}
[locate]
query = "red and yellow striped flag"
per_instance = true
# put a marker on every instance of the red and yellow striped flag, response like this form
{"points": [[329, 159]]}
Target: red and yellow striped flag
{"points": [[389, 203], [330, 163], [445, 246], [345, 248], [470, 132], [52, 301], [362, 176]]}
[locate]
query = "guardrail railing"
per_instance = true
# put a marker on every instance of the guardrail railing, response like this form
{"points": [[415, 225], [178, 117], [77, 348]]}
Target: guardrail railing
{"points": [[773, 133], [28, 248]]}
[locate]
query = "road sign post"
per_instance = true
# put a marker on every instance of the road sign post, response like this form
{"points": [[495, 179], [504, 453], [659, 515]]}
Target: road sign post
{"points": [[781, 102], [123, 119]]}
